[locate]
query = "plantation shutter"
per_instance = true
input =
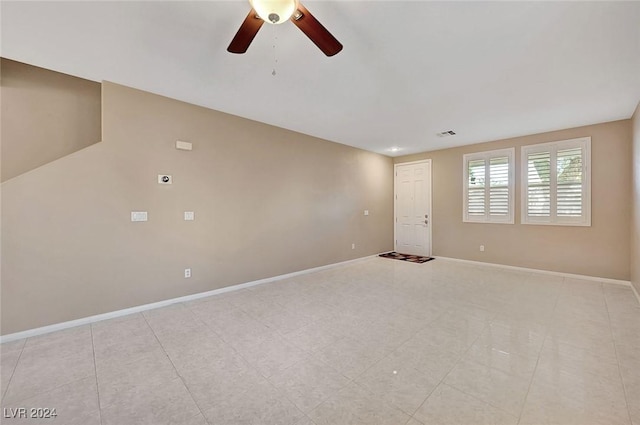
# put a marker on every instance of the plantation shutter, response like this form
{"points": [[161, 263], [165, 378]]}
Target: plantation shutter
{"points": [[556, 183], [539, 184], [569, 169], [489, 186], [476, 195], [499, 186]]}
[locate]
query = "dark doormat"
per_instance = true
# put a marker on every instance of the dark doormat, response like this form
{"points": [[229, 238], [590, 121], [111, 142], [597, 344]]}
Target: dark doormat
{"points": [[406, 257]]}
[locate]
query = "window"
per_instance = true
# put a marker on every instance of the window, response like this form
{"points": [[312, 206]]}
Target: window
{"points": [[489, 187], [556, 183]]}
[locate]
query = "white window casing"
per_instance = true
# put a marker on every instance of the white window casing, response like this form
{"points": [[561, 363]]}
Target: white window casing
{"points": [[489, 186], [556, 183]]}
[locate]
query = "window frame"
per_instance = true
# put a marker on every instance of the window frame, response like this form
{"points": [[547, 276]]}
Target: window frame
{"points": [[487, 156], [584, 220]]}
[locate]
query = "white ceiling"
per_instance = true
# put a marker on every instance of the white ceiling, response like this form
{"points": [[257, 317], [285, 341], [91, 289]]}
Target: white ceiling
{"points": [[487, 70]]}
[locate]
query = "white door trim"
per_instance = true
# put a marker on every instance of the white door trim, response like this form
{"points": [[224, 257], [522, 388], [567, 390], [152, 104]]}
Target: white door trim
{"points": [[395, 198]]}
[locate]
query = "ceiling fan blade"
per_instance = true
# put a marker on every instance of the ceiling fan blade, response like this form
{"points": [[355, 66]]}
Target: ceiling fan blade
{"points": [[246, 33], [315, 31]]}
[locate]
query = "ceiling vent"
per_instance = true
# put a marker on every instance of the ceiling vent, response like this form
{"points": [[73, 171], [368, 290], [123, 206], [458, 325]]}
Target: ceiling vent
{"points": [[446, 133]]}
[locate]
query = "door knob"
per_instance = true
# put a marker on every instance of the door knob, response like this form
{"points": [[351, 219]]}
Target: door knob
{"points": [[426, 222]]}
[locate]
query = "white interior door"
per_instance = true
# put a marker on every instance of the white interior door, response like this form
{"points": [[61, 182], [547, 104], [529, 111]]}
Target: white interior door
{"points": [[413, 208]]}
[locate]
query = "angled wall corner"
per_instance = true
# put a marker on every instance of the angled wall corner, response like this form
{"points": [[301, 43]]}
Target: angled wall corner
{"points": [[46, 115]]}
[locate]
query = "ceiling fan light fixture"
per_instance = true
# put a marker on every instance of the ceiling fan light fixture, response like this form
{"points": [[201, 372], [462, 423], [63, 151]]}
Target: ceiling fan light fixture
{"points": [[274, 11]]}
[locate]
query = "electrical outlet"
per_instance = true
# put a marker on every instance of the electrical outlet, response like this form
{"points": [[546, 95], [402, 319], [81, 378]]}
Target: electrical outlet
{"points": [[353, 246], [481, 248], [139, 216], [189, 216], [366, 212], [187, 273]]}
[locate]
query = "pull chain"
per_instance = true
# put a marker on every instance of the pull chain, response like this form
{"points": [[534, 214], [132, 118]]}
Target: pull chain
{"points": [[275, 57]]}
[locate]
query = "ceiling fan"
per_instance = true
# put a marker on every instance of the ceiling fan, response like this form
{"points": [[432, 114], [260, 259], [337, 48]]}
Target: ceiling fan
{"points": [[276, 12]]}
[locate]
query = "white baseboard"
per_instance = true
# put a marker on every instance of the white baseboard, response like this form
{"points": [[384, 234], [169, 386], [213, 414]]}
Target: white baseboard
{"points": [[547, 272], [137, 309]]}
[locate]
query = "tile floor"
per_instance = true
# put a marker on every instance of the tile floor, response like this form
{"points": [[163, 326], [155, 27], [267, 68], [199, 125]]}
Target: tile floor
{"points": [[374, 342]]}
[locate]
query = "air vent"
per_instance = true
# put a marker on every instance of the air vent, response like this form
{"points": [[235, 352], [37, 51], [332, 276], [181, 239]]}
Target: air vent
{"points": [[446, 133]]}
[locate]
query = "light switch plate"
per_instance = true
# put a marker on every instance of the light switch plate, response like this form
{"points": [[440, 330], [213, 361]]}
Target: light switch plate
{"points": [[366, 212], [189, 216], [183, 146], [138, 216], [165, 179]]}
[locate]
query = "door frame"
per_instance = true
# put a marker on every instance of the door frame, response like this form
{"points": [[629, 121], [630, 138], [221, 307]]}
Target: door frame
{"points": [[395, 199]]}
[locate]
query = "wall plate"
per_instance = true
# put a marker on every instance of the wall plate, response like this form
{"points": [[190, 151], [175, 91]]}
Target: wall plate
{"points": [[183, 146], [138, 216]]}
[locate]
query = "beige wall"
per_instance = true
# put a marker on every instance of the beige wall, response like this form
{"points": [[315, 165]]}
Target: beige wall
{"points": [[635, 219], [267, 201], [45, 116], [600, 250]]}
